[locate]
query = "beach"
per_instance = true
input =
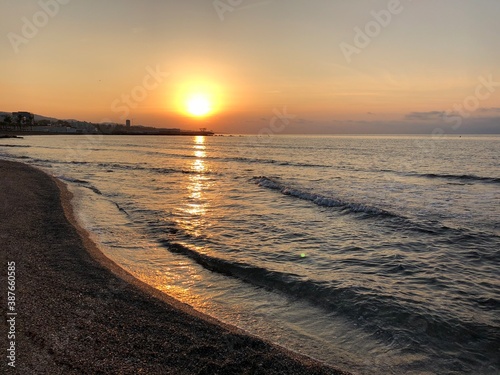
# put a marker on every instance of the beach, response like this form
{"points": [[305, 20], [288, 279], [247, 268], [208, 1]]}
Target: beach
{"points": [[79, 313]]}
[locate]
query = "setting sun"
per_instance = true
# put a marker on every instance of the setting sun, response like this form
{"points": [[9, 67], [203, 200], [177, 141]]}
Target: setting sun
{"points": [[198, 105], [197, 97]]}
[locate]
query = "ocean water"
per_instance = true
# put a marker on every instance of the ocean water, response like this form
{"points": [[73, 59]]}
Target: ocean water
{"points": [[378, 254]]}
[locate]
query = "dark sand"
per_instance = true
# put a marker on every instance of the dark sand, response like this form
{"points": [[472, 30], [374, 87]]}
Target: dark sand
{"points": [[78, 313]]}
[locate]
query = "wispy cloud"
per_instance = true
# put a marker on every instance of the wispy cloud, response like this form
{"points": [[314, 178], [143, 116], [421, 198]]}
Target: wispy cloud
{"points": [[440, 115], [425, 116], [489, 110]]}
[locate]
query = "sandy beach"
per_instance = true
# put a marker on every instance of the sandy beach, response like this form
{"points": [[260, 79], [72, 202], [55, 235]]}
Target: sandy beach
{"points": [[79, 313]]}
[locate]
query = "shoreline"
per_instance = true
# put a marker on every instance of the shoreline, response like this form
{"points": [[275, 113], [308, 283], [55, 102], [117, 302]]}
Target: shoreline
{"points": [[19, 134], [80, 313]]}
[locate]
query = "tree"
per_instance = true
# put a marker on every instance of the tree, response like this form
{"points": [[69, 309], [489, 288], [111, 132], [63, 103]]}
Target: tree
{"points": [[7, 121], [24, 119], [19, 120]]}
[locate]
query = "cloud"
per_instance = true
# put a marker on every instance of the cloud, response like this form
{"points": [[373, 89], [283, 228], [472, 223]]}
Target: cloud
{"points": [[439, 116], [425, 116], [489, 110], [471, 125]]}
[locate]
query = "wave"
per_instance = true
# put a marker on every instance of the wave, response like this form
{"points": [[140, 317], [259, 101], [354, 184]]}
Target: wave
{"points": [[14, 156], [129, 167], [272, 161], [241, 159], [82, 183], [467, 178], [460, 177], [394, 220], [94, 189], [19, 146], [111, 166], [246, 160], [381, 315], [74, 180], [445, 176], [322, 200], [121, 209]]}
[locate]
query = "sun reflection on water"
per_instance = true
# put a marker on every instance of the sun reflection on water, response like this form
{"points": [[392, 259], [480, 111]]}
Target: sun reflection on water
{"points": [[192, 221], [196, 206], [174, 282]]}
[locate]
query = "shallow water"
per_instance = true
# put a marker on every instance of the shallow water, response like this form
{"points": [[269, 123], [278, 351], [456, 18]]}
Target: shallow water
{"points": [[376, 254]]}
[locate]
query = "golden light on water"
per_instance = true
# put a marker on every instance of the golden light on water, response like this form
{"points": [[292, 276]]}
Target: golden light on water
{"points": [[196, 202], [200, 154], [195, 188], [175, 283]]}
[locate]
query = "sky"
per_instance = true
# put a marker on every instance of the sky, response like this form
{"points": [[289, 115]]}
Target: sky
{"points": [[257, 66]]}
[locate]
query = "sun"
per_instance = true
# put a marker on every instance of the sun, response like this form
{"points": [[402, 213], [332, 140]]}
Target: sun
{"points": [[198, 105], [195, 97]]}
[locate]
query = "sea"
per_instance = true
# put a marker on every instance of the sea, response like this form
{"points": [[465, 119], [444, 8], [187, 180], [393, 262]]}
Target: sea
{"points": [[377, 254]]}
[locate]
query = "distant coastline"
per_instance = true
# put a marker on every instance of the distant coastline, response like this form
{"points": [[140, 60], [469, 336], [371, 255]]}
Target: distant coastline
{"points": [[19, 134], [27, 123]]}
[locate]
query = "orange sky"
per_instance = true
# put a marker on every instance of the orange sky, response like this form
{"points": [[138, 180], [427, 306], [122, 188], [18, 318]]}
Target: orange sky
{"points": [[315, 61]]}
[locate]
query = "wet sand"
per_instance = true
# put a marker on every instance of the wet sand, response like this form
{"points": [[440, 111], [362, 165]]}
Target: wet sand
{"points": [[79, 313]]}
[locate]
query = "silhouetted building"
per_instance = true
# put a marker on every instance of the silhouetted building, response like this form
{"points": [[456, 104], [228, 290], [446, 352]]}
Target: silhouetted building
{"points": [[127, 123]]}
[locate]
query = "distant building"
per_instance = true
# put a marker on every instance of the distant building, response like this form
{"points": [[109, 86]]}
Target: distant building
{"points": [[127, 123], [83, 127]]}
